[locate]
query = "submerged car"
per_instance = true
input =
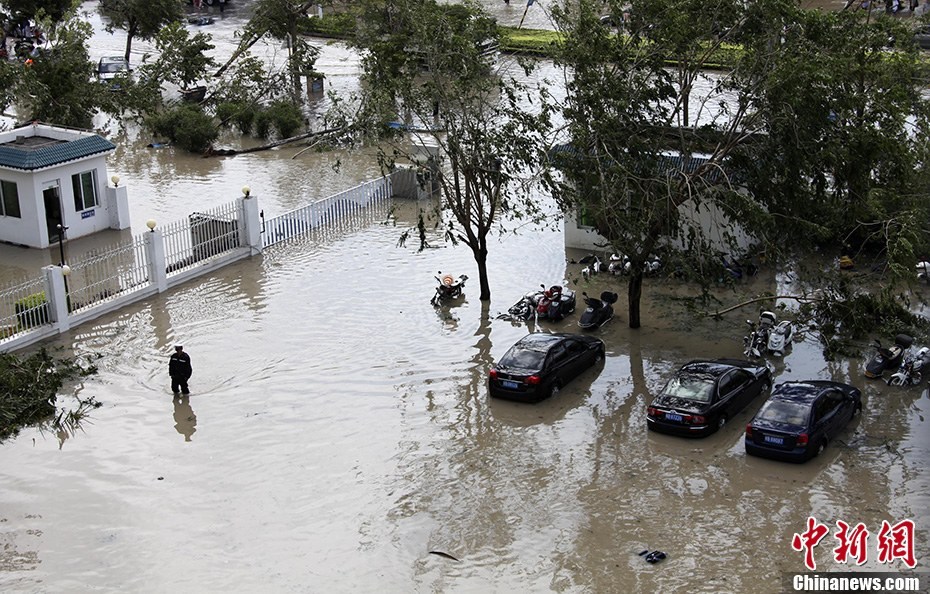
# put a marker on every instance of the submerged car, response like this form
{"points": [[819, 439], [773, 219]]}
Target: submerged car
{"points": [[705, 394], [110, 67], [540, 364], [800, 418]]}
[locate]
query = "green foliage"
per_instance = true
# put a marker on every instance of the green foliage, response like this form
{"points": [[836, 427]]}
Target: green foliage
{"points": [[29, 387], [58, 86], [186, 125], [338, 25], [283, 21], [844, 315], [32, 310], [262, 124], [55, 10], [286, 118]]}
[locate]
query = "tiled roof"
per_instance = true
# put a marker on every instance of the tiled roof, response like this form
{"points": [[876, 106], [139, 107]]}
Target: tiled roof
{"points": [[29, 160]]}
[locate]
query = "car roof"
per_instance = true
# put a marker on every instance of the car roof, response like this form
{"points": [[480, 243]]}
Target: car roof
{"points": [[803, 392], [712, 367], [543, 341], [106, 59]]}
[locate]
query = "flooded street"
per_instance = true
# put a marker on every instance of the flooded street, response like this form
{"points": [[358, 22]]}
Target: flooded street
{"points": [[339, 432]]}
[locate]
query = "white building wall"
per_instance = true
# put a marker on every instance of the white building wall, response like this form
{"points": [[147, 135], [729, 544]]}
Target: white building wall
{"points": [[28, 229]]}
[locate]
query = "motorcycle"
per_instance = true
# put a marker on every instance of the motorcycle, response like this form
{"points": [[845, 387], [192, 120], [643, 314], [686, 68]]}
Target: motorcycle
{"points": [[598, 311], [768, 336], [526, 307], [555, 303], [449, 288], [594, 266], [909, 373], [621, 265], [887, 358]]}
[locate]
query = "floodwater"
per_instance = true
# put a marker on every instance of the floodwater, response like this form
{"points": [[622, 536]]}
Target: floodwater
{"points": [[339, 434]]}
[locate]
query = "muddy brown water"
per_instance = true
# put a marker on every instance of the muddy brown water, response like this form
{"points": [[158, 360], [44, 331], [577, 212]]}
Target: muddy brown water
{"points": [[339, 433]]}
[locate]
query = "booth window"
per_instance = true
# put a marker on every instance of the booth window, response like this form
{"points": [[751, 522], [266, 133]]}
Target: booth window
{"points": [[85, 190], [9, 205]]}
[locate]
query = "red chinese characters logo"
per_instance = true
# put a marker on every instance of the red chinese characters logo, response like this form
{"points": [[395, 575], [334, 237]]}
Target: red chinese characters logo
{"points": [[897, 542], [893, 541], [807, 540]]}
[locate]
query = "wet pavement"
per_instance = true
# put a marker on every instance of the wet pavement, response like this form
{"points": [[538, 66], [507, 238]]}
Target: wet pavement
{"points": [[339, 434]]}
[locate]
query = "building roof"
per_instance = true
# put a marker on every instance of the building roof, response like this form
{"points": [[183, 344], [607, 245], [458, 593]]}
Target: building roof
{"points": [[29, 153]]}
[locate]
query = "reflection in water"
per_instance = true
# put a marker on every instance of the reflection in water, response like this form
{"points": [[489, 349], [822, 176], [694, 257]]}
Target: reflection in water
{"points": [[185, 421]]}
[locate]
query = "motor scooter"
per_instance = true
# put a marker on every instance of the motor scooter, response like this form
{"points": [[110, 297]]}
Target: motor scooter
{"points": [[909, 373], [597, 311], [555, 303], [887, 358], [449, 288], [768, 336]]}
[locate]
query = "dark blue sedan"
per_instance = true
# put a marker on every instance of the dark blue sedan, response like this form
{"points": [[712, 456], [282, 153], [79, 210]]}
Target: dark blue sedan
{"points": [[704, 395], [540, 364], [800, 418]]}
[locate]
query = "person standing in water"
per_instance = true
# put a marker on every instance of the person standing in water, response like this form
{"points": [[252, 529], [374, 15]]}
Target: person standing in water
{"points": [[179, 368]]}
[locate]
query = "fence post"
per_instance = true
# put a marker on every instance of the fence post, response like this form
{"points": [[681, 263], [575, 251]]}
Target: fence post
{"points": [[155, 255], [250, 228], [57, 297]]}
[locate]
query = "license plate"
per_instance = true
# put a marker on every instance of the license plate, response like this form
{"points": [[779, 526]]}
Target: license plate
{"points": [[673, 417], [509, 385], [774, 440]]}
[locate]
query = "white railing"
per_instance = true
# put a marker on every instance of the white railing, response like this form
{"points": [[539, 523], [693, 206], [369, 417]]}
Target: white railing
{"points": [[203, 235], [107, 273], [335, 213], [23, 306]]}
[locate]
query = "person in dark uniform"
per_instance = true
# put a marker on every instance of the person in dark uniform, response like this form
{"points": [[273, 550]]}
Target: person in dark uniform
{"points": [[179, 368]]}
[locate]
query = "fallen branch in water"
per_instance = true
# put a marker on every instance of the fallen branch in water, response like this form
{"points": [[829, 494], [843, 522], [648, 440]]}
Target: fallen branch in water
{"points": [[228, 152], [804, 298]]}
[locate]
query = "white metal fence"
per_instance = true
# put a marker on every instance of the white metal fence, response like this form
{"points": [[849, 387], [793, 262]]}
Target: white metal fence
{"points": [[22, 307], [106, 273], [202, 235], [335, 213]]}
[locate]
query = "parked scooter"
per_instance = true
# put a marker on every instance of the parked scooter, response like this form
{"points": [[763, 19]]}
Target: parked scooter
{"points": [[887, 358], [556, 303], [621, 265], [525, 308], [598, 311], [909, 373], [594, 266], [449, 288], [768, 336]]}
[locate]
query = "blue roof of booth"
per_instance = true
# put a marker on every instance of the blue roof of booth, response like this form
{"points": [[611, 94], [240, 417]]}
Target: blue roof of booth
{"points": [[38, 152]]}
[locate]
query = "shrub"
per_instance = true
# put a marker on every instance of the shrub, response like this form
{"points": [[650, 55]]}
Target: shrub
{"points": [[185, 125], [262, 124], [286, 118], [32, 310]]}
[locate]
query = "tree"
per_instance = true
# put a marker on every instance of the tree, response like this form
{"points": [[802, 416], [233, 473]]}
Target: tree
{"points": [[638, 168], [56, 10], [140, 18], [58, 84], [846, 120], [426, 71]]}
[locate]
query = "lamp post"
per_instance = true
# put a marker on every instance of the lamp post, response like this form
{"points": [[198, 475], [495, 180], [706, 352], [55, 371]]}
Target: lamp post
{"points": [[61, 254], [115, 179], [246, 190], [150, 224]]}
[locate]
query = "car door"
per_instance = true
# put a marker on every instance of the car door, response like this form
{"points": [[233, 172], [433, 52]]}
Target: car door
{"points": [[825, 416], [556, 362], [732, 391], [578, 357]]}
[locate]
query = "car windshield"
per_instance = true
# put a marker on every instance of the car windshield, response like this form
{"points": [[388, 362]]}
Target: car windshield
{"points": [[523, 359], [781, 411], [112, 67], [690, 387]]}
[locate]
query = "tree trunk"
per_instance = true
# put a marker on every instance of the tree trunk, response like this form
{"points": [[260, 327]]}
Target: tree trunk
{"points": [[481, 258], [634, 294], [130, 33]]}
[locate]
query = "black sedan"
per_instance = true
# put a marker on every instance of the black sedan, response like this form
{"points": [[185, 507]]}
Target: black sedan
{"points": [[799, 419], [539, 364], [704, 395]]}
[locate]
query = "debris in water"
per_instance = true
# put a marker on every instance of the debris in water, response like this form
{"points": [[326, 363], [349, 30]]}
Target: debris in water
{"points": [[441, 554]]}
